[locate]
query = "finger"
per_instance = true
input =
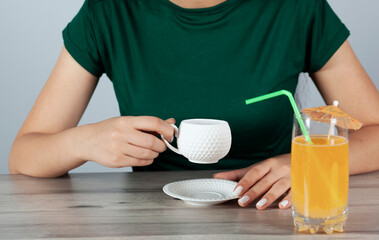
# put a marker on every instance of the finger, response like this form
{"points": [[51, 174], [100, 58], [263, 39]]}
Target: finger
{"points": [[141, 162], [234, 175], [154, 124], [261, 186], [138, 152], [275, 192], [250, 178], [286, 201], [127, 161], [146, 140]]}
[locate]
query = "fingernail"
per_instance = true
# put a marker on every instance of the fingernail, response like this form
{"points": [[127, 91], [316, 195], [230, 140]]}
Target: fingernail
{"points": [[262, 202], [284, 203], [237, 191], [172, 139], [243, 200]]}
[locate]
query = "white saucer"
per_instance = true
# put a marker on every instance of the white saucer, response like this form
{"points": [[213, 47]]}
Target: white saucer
{"points": [[204, 192]]}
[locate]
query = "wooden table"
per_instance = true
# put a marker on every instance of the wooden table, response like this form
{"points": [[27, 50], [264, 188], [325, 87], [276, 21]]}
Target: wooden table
{"points": [[133, 206]]}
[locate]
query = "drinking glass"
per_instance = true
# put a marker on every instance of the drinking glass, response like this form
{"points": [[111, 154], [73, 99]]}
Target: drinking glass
{"points": [[320, 176]]}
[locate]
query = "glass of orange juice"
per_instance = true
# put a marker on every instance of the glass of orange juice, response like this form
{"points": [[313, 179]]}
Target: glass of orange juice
{"points": [[320, 176]]}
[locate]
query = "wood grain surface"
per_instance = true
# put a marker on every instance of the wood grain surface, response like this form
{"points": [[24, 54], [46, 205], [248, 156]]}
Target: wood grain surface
{"points": [[133, 206]]}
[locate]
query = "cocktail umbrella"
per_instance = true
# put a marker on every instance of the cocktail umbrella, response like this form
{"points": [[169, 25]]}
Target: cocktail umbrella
{"points": [[326, 113]]}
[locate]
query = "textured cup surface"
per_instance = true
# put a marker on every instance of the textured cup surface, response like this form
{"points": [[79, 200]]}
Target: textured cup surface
{"points": [[204, 140]]}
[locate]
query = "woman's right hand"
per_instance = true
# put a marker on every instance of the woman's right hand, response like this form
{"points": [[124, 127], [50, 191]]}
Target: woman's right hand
{"points": [[125, 141], [49, 143]]}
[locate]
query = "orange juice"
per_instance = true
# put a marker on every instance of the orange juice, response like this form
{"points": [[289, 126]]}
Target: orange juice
{"points": [[319, 176]]}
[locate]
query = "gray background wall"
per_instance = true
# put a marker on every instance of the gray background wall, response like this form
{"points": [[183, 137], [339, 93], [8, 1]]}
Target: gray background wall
{"points": [[30, 41]]}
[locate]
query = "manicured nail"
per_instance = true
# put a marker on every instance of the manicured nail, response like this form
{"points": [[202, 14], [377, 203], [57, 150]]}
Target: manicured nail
{"points": [[284, 203], [262, 202], [237, 191], [243, 200]]}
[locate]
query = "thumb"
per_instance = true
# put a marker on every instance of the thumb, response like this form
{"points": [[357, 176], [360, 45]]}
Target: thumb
{"points": [[234, 175], [171, 120]]}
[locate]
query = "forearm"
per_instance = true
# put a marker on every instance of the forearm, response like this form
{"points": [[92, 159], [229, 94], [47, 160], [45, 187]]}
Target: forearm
{"points": [[363, 147], [47, 155]]}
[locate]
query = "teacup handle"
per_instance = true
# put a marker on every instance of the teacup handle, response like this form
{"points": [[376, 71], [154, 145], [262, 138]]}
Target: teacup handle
{"points": [[176, 134]]}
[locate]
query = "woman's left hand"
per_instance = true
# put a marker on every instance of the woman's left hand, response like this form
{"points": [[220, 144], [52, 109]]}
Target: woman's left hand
{"points": [[270, 178]]}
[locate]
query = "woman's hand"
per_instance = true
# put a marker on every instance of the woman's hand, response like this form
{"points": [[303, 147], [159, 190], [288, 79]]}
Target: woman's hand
{"points": [[49, 143], [125, 141], [270, 178]]}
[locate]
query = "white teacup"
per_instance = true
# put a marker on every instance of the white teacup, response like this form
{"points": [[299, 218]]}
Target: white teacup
{"points": [[202, 141]]}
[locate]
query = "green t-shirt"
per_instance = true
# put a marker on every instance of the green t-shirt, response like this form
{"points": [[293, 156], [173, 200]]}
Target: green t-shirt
{"points": [[167, 61]]}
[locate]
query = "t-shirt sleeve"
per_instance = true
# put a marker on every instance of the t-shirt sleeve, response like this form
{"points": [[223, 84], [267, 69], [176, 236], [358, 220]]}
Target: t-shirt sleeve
{"points": [[327, 34], [79, 40]]}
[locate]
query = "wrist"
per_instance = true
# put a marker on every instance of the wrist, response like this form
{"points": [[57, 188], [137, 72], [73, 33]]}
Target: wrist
{"points": [[76, 140]]}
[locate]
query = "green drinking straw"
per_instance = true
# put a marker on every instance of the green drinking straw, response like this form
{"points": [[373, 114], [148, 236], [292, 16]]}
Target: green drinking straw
{"points": [[293, 104]]}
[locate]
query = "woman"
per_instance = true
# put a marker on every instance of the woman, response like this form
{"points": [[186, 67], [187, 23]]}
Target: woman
{"points": [[189, 59]]}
